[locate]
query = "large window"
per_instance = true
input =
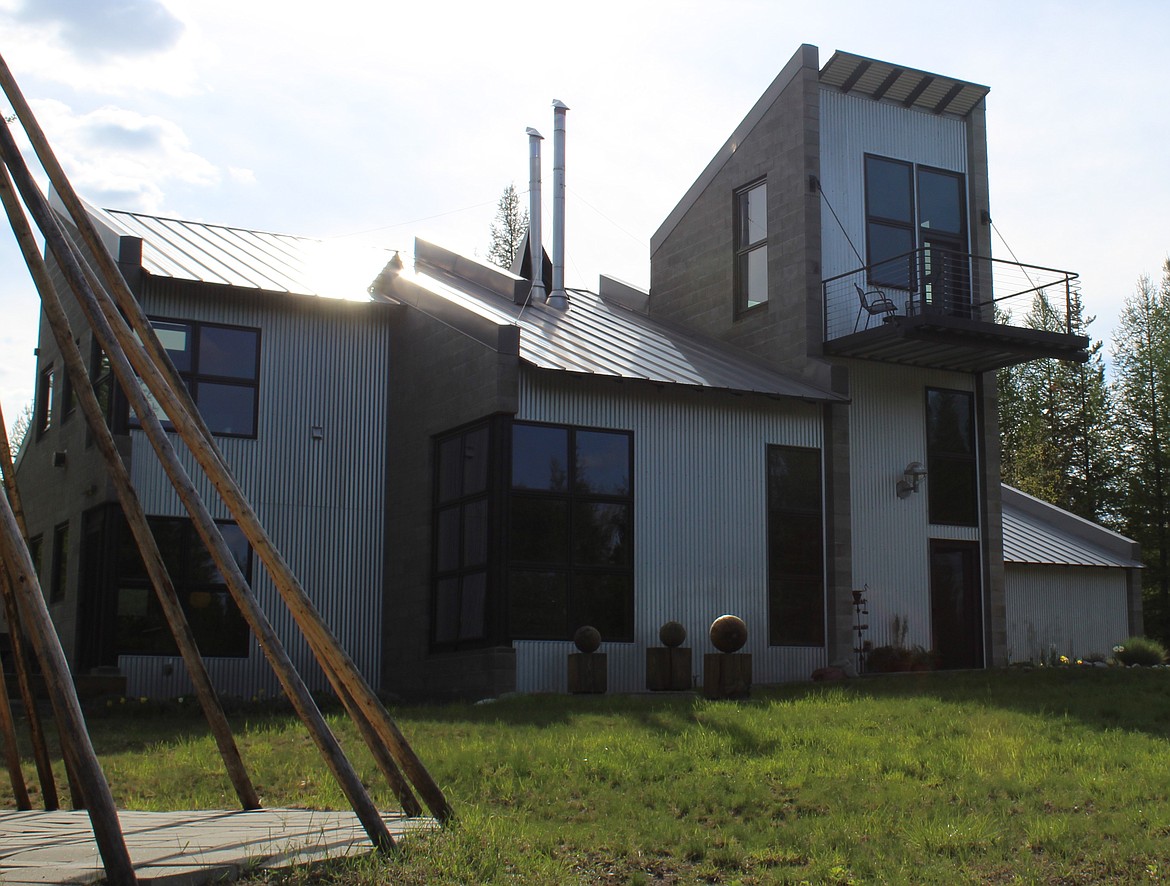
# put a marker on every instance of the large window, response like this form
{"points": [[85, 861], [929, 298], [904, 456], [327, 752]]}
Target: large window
{"points": [[751, 246], [889, 227], [462, 549], [952, 474], [218, 626], [221, 368], [796, 558], [909, 208], [571, 524]]}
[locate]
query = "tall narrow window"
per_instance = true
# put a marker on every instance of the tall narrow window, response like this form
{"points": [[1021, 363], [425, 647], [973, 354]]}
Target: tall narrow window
{"points": [[571, 509], [57, 581], [44, 410], [34, 551], [102, 378], [796, 558], [462, 546], [889, 225], [952, 475], [751, 246]]}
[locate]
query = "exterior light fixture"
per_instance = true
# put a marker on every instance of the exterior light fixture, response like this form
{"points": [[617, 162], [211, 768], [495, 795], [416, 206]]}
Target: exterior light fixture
{"points": [[911, 477]]}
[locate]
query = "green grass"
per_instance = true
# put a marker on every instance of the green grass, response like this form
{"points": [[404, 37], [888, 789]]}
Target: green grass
{"points": [[1047, 776]]}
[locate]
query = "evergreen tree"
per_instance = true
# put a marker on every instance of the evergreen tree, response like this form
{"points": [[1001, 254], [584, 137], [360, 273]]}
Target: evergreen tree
{"points": [[1141, 360], [508, 229], [1056, 424]]}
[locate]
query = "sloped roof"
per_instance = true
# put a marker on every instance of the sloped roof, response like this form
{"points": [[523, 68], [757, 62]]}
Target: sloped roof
{"points": [[1036, 532], [596, 336], [882, 81], [246, 259]]}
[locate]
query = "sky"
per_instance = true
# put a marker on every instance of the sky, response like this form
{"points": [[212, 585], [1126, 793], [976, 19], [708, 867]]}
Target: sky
{"points": [[364, 123]]}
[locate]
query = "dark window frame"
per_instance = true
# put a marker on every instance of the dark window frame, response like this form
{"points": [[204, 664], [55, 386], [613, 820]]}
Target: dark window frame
{"points": [[576, 574], [59, 578], [45, 405], [948, 467], [194, 376], [809, 521], [136, 579], [744, 248], [488, 498], [875, 219], [36, 552]]}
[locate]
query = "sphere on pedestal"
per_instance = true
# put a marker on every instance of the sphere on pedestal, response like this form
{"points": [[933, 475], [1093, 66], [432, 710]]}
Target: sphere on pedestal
{"points": [[672, 634], [587, 638], [728, 633]]}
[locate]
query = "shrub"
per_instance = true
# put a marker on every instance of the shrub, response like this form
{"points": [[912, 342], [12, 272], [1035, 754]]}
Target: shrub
{"points": [[1140, 651]]}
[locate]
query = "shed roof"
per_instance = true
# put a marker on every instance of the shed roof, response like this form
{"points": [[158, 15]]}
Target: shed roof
{"points": [[242, 258], [882, 81], [1036, 532], [596, 336]]}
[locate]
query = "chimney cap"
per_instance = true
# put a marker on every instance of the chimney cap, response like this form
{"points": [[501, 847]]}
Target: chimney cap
{"points": [[532, 132], [559, 105]]}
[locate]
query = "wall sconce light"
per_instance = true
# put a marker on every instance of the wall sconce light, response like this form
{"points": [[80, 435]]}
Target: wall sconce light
{"points": [[911, 477]]}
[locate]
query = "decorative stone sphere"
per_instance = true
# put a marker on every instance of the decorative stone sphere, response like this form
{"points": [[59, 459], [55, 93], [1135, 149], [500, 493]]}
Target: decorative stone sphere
{"points": [[587, 638], [728, 633], [672, 634]]}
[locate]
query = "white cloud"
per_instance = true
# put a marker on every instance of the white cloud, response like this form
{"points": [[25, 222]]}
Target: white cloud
{"points": [[118, 157], [242, 176]]}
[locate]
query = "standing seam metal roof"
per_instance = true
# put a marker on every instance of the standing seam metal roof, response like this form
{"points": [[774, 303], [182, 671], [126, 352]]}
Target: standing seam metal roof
{"points": [[597, 337], [1030, 539]]}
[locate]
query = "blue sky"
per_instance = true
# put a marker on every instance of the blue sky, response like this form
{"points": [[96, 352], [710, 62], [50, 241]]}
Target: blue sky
{"points": [[371, 123]]}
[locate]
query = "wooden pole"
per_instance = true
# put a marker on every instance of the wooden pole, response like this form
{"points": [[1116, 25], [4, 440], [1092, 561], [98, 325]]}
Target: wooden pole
{"points": [[21, 659], [131, 506], [75, 737], [8, 732], [202, 520], [181, 410], [163, 382]]}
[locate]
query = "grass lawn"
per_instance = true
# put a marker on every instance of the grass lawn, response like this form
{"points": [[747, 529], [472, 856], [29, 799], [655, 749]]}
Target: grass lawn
{"points": [[1046, 776]]}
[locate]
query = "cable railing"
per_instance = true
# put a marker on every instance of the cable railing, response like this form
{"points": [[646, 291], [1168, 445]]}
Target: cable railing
{"points": [[933, 282]]}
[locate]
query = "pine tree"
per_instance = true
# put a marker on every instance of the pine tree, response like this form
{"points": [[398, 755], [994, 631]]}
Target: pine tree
{"points": [[1141, 360], [508, 229], [1056, 422]]}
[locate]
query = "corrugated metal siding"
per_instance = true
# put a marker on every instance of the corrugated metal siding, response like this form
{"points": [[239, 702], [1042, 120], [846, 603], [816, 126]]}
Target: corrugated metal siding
{"points": [[1077, 610], [887, 430], [321, 501], [852, 127], [700, 517]]}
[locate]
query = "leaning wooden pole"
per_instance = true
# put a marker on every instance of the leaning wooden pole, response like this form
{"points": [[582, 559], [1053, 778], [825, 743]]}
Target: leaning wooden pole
{"points": [[202, 520], [21, 658], [99, 801], [8, 734], [163, 382], [131, 506]]}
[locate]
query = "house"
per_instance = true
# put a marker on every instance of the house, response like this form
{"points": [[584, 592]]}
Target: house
{"points": [[463, 473]]}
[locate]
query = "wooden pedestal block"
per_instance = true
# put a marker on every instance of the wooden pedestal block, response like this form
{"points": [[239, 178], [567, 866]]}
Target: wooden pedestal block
{"points": [[668, 668], [727, 674], [588, 672]]}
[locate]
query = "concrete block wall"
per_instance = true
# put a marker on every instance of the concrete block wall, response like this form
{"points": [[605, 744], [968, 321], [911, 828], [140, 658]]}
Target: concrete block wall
{"points": [[443, 378], [693, 255]]}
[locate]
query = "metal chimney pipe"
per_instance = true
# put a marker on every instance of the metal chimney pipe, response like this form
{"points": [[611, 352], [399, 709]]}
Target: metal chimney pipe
{"points": [[558, 298], [534, 245]]}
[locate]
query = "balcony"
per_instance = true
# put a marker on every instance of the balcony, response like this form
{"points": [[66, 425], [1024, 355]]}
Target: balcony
{"points": [[952, 310]]}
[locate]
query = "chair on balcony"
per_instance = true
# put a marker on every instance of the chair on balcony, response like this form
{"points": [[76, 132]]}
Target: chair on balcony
{"points": [[873, 301]]}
